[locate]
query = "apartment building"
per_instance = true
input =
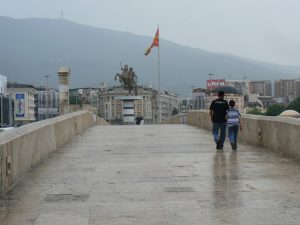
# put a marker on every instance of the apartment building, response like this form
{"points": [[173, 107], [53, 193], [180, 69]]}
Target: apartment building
{"points": [[260, 87], [287, 89]]}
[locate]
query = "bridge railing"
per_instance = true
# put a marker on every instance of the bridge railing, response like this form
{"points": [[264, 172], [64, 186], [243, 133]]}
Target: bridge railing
{"points": [[279, 134], [24, 147], [177, 119]]}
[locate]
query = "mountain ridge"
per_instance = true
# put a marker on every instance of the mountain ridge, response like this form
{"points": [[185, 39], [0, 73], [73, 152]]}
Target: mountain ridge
{"points": [[32, 48]]}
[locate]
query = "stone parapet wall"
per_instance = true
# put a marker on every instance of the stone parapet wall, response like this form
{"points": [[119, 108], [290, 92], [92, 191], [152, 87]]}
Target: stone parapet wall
{"points": [[101, 122], [178, 119], [279, 134], [24, 147]]}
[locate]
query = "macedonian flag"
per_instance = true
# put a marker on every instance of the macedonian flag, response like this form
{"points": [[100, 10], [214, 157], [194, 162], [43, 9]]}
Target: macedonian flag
{"points": [[155, 43]]}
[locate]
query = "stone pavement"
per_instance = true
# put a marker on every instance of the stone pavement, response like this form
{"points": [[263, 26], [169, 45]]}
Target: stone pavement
{"points": [[155, 175]]}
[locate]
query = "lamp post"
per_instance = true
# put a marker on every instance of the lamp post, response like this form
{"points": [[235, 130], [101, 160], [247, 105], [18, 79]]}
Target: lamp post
{"points": [[47, 97]]}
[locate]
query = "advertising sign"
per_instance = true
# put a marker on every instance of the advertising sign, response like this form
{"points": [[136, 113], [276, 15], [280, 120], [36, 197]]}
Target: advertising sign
{"points": [[212, 84], [20, 105]]}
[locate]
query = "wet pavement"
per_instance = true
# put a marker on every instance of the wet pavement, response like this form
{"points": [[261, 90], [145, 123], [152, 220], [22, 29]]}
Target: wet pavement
{"points": [[164, 174]]}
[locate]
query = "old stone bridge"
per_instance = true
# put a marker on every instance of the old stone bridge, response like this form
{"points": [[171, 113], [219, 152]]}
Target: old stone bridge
{"points": [[69, 171]]}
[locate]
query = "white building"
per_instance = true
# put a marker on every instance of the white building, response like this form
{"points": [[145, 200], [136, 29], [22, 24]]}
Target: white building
{"points": [[168, 103], [47, 104], [24, 105], [114, 101], [3, 85]]}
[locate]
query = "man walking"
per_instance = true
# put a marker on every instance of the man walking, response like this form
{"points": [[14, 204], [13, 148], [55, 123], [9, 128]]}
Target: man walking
{"points": [[217, 112]]}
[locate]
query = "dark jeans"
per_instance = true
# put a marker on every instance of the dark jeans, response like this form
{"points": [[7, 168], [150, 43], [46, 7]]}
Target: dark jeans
{"points": [[222, 128], [233, 133]]}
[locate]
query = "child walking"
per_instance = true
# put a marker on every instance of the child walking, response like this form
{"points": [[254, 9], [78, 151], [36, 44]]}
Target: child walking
{"points": [[233, 123]]}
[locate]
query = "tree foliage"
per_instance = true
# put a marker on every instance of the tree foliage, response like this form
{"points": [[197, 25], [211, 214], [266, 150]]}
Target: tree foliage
{"points": [[295, 105], [255, 111], [275, 110]]}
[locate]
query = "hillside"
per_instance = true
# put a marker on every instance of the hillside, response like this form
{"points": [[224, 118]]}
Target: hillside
{"points": [[32, 48]]}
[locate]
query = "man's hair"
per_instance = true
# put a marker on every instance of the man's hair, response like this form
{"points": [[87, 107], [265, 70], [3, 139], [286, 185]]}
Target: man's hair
{"points": [[231, 103], [221, 94]]}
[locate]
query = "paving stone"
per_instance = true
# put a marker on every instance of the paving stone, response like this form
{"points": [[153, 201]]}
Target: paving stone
{"points": [[155, 174]]}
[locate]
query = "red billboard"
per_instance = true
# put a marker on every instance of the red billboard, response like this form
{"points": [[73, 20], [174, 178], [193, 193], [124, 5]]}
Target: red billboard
{"points": [[212, 84]]}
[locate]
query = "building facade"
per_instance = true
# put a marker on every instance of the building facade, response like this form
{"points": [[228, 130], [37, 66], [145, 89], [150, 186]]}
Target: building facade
{"points": [[148, 104], [260, 87], [111, 104], [3, 85], [47, 104], [86, 95], [168, 102], [6, 105], [6, 111], [248, 87], [24, 104], [243, 86], [286, 89], [297, 88], [198, 99]]}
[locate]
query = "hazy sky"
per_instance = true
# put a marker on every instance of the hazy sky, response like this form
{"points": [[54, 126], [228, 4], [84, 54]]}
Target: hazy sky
{"points": [[267, 30]]}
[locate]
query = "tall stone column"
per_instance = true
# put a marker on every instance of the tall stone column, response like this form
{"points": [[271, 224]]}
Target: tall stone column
{"points": [[63, 88]]}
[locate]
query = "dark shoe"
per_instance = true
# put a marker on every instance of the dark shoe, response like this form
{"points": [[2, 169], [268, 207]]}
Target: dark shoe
{"points": [[219, 145], [233, 146]]}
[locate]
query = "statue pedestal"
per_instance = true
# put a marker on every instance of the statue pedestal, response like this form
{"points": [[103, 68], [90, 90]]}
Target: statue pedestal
{"points": [[128, 114]]}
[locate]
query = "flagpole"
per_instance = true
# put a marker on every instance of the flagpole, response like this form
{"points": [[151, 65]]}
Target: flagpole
{"points": [[158, 73]]}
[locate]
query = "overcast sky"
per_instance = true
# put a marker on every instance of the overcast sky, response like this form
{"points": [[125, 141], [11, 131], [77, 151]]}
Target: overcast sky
{"points": [[267, 30]]}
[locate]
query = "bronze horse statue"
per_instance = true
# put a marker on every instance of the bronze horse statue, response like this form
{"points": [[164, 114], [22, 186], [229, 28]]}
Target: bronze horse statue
{"points": [[128, 79]]}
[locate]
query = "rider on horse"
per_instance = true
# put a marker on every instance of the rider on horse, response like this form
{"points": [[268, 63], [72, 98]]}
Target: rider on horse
{"points": [[128, 78]]}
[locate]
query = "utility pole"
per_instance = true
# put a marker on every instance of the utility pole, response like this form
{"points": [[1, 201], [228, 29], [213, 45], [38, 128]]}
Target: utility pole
{"points": [[47, 97], [210, 75]]}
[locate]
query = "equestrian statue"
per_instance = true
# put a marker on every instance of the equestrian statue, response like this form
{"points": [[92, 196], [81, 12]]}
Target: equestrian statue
{"points": [[128, 79]]}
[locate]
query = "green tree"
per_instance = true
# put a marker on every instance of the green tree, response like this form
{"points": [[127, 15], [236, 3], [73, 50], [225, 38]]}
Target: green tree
{"points": [[275, 110], [295, 105], [255, 111]]}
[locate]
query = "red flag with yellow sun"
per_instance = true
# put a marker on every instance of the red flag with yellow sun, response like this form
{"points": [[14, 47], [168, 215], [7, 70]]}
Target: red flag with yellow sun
{"points": [[155, 43]]}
